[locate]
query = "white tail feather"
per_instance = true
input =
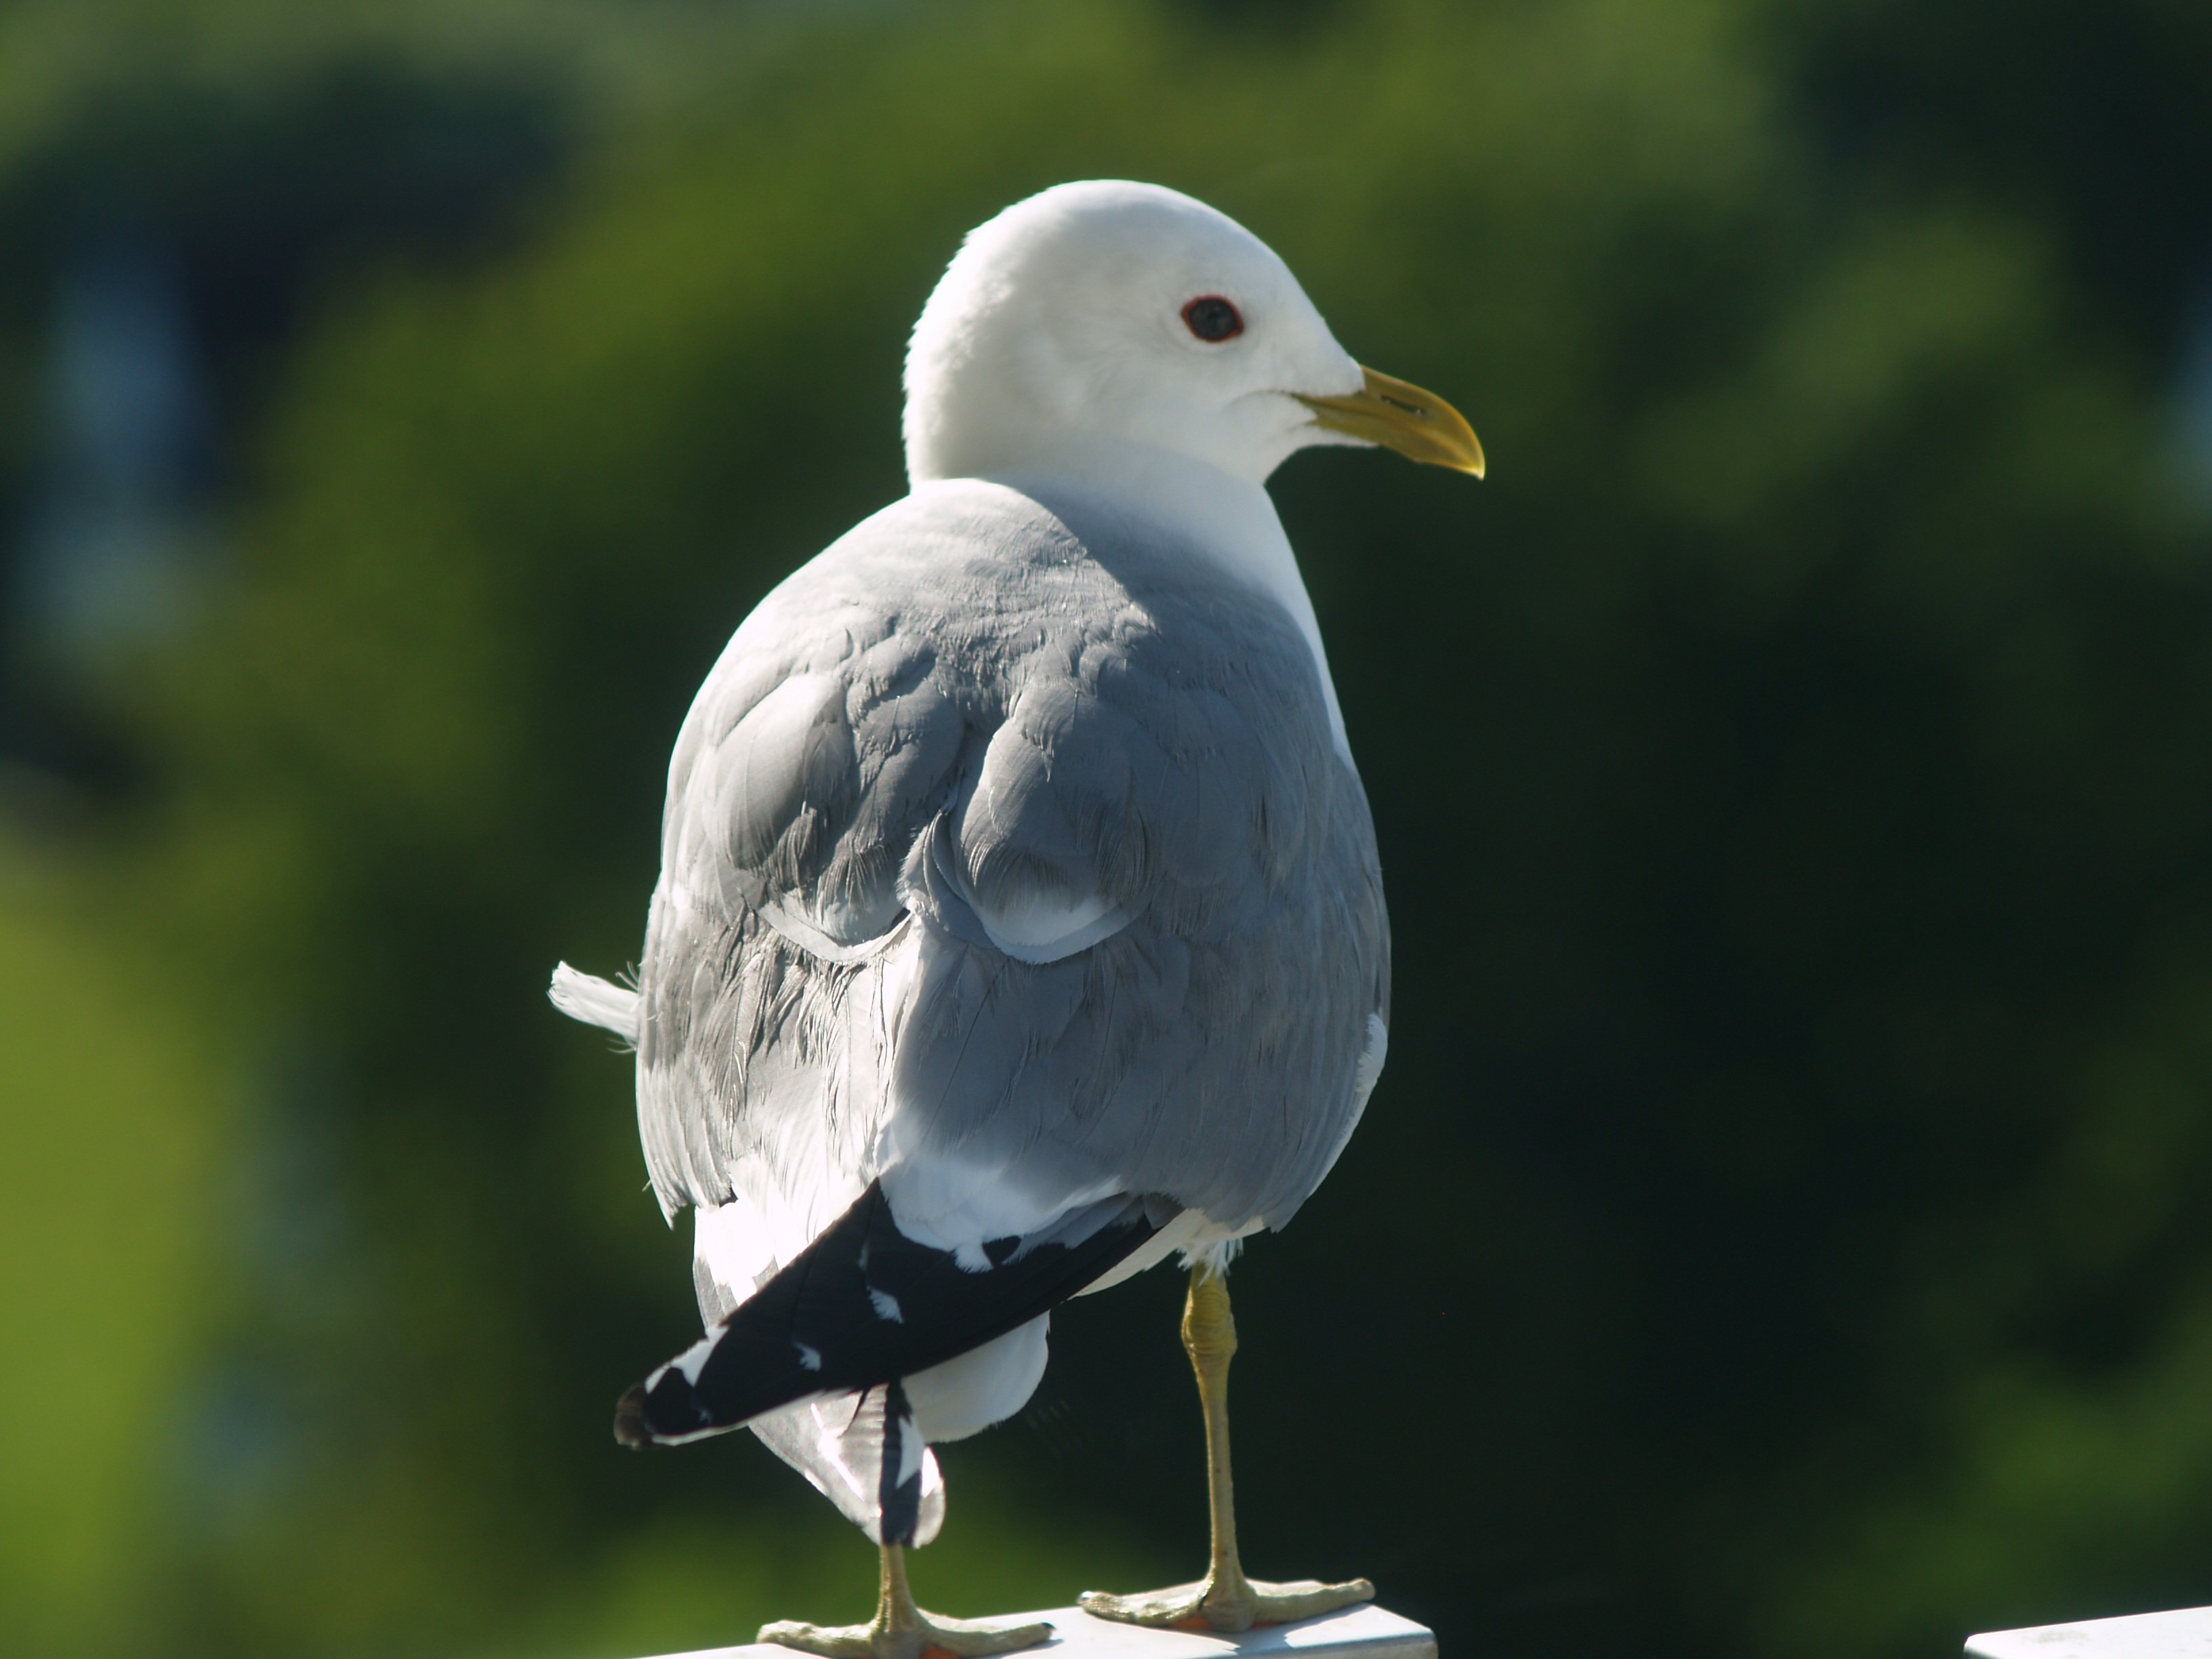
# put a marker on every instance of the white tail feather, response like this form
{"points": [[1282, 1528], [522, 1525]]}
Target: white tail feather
{"points": [[595, 1001]]}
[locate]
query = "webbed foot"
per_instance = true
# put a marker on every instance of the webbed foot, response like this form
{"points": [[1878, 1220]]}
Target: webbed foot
{"points": [[901, 1630], [1229, 1604], [960, 1638]]}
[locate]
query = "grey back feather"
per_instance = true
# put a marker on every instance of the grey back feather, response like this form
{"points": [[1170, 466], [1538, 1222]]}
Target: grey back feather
{"points": [[980, 705]]}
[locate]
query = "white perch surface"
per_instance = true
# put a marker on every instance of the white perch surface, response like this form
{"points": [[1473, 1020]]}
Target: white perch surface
{"points": [[1365, 1633], [2184, 1635]]}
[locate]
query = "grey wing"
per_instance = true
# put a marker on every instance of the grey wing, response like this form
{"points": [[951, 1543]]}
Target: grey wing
{"points": [[808, 764], [1017, 869]]}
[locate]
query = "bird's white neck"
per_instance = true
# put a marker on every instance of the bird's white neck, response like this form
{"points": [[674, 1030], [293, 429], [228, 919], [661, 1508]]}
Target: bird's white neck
{"points": [[1232, 520]]}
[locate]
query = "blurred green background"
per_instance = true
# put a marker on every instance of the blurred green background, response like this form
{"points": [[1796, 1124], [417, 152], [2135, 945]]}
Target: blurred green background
{"points": [[1783, 1228]]}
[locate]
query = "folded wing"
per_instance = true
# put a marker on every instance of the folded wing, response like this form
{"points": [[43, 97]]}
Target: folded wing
{"points": [[1018, 843]]}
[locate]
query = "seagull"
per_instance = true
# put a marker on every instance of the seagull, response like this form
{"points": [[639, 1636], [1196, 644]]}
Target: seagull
{"points": [[1019, 923]]}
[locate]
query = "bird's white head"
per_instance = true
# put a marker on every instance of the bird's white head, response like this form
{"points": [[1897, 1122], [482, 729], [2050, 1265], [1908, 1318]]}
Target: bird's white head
{"points": [[1117, 314]]}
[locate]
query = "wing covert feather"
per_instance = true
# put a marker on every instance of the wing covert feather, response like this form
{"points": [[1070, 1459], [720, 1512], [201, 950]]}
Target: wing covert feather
{"points": [[1019, 839]]}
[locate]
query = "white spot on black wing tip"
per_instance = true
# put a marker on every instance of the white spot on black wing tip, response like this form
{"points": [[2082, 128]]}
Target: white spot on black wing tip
{"points": [[886, 1305], [810, 1357]]}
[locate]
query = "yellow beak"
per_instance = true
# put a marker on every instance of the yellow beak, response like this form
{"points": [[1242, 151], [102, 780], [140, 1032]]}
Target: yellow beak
{"points": [[1418, 424]]}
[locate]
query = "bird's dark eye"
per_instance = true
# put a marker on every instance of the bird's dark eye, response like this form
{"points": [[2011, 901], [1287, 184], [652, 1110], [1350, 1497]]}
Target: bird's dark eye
{"points": [[1212, 319]]}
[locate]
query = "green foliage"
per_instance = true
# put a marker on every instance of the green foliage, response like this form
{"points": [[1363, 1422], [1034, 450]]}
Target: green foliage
{"points": [[113, 1169], [1780, 1228]]}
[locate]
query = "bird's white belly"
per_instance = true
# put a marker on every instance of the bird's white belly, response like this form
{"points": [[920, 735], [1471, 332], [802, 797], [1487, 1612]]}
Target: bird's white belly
{"points": [[986, 1385]]}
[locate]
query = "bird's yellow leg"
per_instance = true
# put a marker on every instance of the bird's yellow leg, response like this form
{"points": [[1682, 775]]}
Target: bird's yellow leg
{"points": [[901, 1630], [1225, 1600]]}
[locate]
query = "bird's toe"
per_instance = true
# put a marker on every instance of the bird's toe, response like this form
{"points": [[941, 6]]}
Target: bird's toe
{"points": [[1227, 1606], [922, 1639]]}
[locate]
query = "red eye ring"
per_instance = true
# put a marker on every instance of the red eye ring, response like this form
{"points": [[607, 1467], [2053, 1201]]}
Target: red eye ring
{"points": [[1212, 318]]}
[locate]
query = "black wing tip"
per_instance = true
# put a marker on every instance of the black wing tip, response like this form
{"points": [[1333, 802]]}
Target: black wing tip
{"points": [[862, 1306], [630, 1428]]}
